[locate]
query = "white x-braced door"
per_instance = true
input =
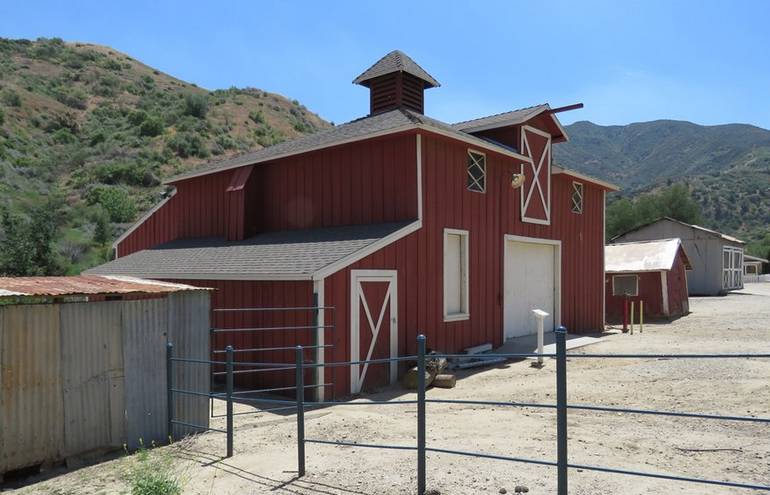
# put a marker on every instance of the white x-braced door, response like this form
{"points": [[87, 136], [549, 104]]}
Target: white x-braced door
{"points": [[536, 190], [373, 328]]}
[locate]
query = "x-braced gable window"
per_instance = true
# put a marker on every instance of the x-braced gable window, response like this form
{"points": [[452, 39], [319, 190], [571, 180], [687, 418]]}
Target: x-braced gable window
{"points": [[577, 197], [477, 171]]}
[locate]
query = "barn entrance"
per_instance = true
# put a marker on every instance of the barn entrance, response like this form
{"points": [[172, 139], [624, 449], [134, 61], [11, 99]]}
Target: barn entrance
{"points": [[532, 273], [373, 328]]}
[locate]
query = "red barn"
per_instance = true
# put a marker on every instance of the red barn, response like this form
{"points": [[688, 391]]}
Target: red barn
{"points": [[649, 271], [402, 223]]}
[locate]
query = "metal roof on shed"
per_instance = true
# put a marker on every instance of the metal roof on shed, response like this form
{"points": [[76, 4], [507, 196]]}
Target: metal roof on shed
{"points": [[84, 284], [642, 256]]}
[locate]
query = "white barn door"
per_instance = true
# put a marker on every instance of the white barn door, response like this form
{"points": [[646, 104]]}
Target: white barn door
{"points": [[531, 281], [373, 327]]}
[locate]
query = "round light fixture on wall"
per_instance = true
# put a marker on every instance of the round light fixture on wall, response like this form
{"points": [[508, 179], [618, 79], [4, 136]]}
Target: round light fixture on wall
{"points": [[517, 180]]}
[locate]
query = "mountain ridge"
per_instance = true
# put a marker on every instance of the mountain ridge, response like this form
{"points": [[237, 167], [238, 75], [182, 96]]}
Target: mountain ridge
{"points": [[93, 132], [726, 167]]}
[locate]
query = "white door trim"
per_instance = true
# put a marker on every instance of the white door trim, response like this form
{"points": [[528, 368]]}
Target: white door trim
{"points": [[664, 291], [320, 378], [556, 273], [357, 375]]}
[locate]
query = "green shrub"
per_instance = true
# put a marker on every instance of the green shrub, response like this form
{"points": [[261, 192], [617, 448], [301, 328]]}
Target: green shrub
{"points": [[11, 98], [257, 116], [187, 144], [152, 474], [2, 117], [102, 227], [131, 173], [117, 202], [152, 127], [63, 136], [196, 105], [73, 98], [137, 118]]}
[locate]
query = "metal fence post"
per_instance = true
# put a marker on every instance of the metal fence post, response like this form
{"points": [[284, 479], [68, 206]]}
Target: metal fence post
{"points": [[229, 392], [169, 393], [300, 385], [561, 410], [420, 414]]}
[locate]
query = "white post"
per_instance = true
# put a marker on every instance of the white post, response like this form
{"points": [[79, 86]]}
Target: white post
{"points": [[540, 317]]}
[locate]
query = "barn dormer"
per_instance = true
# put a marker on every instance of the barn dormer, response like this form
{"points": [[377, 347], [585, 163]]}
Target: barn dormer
{"points": [[396, 81]]}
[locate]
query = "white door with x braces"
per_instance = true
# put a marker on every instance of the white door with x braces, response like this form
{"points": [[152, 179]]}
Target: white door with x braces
{"points": [[534, 178], [375, 315]]}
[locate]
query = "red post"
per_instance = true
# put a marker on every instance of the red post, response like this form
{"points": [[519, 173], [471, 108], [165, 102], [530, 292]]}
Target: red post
{"points": [[625, 314]]}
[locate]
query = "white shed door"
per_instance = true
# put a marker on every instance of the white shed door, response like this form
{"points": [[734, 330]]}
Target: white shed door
{"points": [[529, 284]]}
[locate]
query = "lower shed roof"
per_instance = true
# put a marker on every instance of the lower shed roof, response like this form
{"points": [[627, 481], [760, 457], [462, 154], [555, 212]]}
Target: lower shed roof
{"points": [[643, 256], [288, 255]]}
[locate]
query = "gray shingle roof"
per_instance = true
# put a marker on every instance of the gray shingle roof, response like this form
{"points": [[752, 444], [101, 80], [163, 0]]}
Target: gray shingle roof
{"points": [[328, 137], [396, 61], [290, 254], [399, 118], [505, 118]]}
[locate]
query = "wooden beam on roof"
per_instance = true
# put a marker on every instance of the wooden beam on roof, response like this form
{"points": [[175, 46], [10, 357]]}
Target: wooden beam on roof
{"points": [[565, 108]]}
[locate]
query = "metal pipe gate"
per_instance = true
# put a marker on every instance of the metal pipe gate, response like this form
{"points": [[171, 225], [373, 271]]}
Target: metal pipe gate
{"points": [[561, 407]]}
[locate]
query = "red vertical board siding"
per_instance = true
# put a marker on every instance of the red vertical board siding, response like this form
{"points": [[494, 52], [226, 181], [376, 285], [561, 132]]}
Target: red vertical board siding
{"points": [[649, 291], [261, 294], [344, 185], [418, 257], [678, 302], [375, 181], [196, 210]]}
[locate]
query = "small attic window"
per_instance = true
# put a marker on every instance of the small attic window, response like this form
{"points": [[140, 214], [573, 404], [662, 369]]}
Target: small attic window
{"points": [[577, 197], [477, 171]]}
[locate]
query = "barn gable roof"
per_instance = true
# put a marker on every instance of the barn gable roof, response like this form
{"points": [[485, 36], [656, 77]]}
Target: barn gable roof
{"points": [[397, 120], [643, 256], [281, 255], [501, 119], [396, 61], [713, 233]]}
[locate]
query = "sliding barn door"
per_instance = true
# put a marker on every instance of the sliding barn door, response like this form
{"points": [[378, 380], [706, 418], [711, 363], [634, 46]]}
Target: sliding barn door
{"points": [[373, 327]]}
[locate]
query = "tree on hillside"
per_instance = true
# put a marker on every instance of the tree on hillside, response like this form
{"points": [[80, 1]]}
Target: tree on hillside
{"points": [[675, 202], [27, 245]]}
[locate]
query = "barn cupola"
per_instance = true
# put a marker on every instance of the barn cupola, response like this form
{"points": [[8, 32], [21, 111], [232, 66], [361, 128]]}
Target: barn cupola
{"points": [[396, 81]]}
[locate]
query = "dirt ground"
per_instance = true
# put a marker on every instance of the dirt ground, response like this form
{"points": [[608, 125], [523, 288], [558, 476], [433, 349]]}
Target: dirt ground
{"points": [[265, 458]]}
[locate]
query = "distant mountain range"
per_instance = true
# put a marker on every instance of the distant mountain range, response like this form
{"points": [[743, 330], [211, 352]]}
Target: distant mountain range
{"points": [[727, 167]]}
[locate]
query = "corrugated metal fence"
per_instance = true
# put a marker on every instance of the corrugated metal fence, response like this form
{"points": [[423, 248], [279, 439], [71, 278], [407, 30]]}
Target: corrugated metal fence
{"points": [[84, 377]]}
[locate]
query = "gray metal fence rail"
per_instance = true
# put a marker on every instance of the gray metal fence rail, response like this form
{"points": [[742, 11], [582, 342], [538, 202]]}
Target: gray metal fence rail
{"points": [[561, 406]]}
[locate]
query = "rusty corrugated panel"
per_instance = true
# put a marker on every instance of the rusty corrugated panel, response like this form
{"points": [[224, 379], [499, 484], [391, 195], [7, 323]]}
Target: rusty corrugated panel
{"points": [[92, 374], [144, 358], [84, 284], [31, 426], [188, 324]]}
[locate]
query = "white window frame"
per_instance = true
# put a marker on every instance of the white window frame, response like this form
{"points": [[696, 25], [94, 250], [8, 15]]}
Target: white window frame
{"points": [[473, 162], [577, 189], [464, 282], [636, 285]]}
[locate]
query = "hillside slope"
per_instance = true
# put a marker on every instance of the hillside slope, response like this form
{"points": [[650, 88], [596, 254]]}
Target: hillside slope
{"points": [[726, 167], [92, 132]]}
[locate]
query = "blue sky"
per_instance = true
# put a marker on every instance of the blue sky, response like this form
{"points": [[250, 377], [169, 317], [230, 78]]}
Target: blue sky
{"points": [[628, 61]]}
